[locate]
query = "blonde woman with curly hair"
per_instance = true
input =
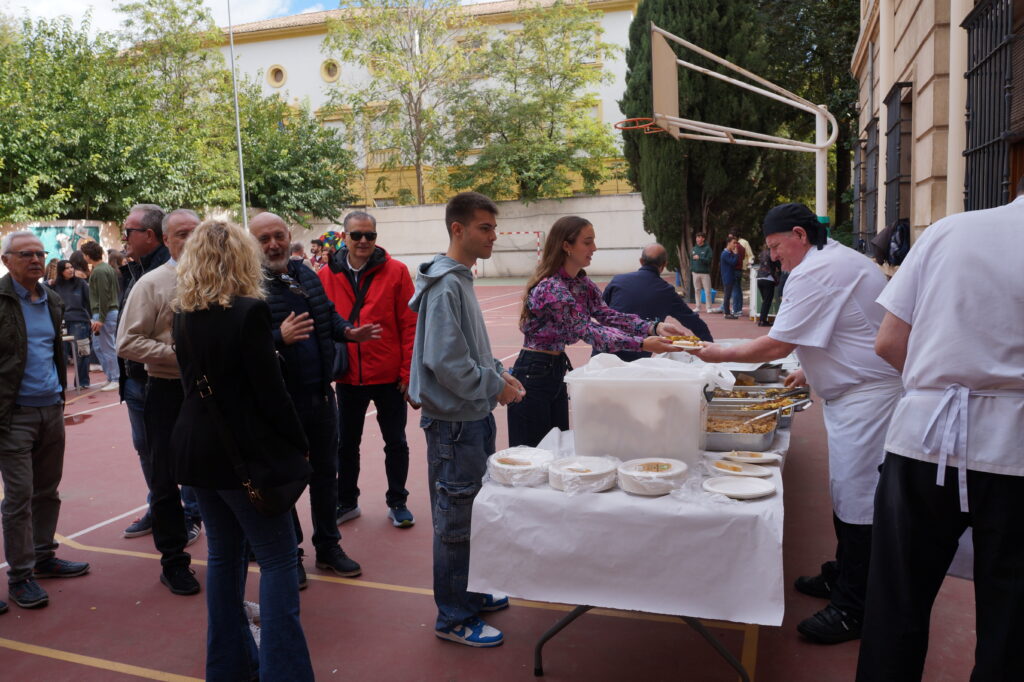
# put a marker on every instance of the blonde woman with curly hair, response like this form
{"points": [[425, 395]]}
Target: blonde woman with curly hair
{"points": [[234, 390]]}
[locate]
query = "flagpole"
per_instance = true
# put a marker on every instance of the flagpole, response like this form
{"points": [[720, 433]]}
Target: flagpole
{"points": [[238, 123]]}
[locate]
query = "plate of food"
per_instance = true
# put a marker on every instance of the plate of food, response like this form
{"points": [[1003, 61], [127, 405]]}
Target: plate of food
{"points": [[739, 488], [691, 342], [747, 457], [720, 466]]}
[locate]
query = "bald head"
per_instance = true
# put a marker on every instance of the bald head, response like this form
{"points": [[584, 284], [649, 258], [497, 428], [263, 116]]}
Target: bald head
{"points": [[656, 255], [271, 231]]}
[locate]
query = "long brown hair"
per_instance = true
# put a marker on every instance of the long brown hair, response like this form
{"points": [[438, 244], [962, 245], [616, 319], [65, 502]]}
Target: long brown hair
{"points": [[565, 229]]}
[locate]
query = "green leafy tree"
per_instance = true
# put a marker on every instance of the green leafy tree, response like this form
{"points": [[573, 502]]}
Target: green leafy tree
{"points": [[420, 59], [533, 127], [694, 186]]}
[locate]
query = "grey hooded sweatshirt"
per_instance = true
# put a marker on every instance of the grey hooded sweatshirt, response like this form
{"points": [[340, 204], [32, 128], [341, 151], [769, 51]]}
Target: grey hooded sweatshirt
{"points": [[454, 375]]}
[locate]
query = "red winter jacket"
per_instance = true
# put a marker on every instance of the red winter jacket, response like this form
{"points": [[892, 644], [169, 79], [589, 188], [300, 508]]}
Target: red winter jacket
{"points": [[384, 360]]}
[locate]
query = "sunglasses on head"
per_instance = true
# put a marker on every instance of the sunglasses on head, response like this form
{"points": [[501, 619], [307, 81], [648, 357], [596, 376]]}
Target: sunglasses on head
{"points": [[293, 286], [358, 236]]}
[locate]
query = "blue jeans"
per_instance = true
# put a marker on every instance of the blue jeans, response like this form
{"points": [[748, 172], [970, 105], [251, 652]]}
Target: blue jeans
{"points": [[231, 653], [80, 330], [546, 404], [105, 348], [456, 459], [737, 294]]}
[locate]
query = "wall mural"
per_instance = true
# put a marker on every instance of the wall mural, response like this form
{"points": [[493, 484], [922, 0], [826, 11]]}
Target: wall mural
{"points": [[61, 241]]}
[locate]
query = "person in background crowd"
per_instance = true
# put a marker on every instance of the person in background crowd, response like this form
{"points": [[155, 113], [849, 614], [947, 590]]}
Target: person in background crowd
{"points": [[316, 254], [115, 258], [103, 295], [829, 317], [727, 265], [700, 268], [297, 253], [458, 382], [954, 453], [378, 370], [74, 291], [561, 306], [306, 327], [746, 256], [33, 377], [51, 272], [768, 273], [225, 351], [144, 336], [80, 264], [645, 294]]}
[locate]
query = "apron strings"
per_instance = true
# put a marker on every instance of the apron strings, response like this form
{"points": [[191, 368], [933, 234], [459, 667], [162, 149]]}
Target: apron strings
{"points": [[954, 436]]}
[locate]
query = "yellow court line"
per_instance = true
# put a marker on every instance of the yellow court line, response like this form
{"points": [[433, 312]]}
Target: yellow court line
{"points": [[102, 664]]}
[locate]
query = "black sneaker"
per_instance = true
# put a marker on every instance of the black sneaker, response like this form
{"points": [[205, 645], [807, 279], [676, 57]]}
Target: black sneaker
{"points": [[830, 626], [60, 568], [338, 562], [348, 513], [180, 580], [27, 594], [303, 580], [818, 585]]}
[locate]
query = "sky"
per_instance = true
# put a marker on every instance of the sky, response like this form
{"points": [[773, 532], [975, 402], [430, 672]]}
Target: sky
{"points": [[105, 18]]}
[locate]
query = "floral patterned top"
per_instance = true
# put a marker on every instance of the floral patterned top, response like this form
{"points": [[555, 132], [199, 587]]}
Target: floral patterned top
{"points": [[564, 309]]}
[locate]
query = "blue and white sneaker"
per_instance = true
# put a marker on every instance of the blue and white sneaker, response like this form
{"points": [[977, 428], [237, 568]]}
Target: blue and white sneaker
{"points": [[474, 632], [401, 517], [495, 602]]}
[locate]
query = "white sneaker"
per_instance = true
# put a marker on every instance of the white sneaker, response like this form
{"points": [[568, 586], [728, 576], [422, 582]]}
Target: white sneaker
{"points": [[474, 632], [252, 611], [95, 368], [111, 386]]}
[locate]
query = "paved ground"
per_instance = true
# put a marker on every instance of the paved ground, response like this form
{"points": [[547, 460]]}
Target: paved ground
{"points": [[119, 622]]}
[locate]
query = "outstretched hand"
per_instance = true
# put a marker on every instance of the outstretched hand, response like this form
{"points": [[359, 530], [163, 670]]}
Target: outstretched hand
{"points": [[366, 332]]}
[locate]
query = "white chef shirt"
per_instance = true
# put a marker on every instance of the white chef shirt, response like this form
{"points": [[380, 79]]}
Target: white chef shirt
{"points": [[829, 312], [962, 290]]}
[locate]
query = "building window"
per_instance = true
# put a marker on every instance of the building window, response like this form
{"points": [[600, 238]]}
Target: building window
{"points": [[330, 70], [989, 92], [898, 145], [858, 197], [870, 216], [276, 76]]}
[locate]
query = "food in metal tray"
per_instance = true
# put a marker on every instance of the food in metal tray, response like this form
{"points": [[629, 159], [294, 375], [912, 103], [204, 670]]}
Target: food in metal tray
{"points": [[753, 395], [720, 424], [770, 404]]}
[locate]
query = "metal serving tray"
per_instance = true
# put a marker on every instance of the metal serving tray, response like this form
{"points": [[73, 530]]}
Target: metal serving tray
{"points": [[726, 442]]}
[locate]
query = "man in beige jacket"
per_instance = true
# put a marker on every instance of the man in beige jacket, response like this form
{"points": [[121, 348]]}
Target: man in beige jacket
{"points": [[144, 336]]}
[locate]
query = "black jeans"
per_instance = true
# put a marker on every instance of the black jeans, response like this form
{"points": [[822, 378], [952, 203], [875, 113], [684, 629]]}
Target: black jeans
{"points": [[546, 404], [727, 299], [318, 413], [917, 528], [767, 290], [391, 416], [160, 411]]}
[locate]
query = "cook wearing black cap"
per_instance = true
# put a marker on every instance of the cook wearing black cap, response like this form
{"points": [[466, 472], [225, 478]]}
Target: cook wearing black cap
{"points": [[829, 318]]}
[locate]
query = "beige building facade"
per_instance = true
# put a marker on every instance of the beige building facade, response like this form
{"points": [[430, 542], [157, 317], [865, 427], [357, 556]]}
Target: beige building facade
{"points": [[941, 101]]}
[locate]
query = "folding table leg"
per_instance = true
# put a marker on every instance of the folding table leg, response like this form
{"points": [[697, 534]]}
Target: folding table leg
{"points": [[538, 664], [722, 651]]}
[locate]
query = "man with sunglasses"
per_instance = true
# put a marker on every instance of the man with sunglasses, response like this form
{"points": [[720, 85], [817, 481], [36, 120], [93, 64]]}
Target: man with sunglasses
{"points": [[33, 378], [306, 326], [366, 284]]}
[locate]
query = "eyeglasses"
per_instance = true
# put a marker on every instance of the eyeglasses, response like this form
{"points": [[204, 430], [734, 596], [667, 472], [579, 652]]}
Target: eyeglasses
{"points": [[28, 255], [129, 230], [358, 236], [293, 286]]}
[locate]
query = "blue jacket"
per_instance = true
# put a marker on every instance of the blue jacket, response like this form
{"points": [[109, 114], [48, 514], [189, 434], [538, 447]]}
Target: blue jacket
{"points": [[729, 261], [327, 324], [646, 294]]}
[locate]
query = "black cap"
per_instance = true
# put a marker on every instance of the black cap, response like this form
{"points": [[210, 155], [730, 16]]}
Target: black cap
{"points": [[784, 217]]}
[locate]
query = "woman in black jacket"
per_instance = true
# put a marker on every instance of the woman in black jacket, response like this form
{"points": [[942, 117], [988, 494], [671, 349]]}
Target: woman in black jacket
{"points": [[236, 402], [74, 291]]}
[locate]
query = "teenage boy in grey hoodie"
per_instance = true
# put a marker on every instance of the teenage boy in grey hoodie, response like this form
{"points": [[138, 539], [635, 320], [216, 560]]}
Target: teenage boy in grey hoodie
{"points": [[458, 382]]}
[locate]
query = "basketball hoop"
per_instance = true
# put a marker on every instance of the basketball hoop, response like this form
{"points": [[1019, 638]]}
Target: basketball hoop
{"points": [[643, 123]]}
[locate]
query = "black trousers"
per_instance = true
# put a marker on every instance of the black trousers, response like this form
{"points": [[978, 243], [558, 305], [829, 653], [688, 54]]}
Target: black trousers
{"points": [[546, 404], [917, 528], [853, 555], [160, 411], [391, 416], [767, 290]]}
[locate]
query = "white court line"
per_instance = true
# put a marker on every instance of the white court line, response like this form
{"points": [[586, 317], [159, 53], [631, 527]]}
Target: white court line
{"points": [[92, 409], [507, 305], [491, 298]]}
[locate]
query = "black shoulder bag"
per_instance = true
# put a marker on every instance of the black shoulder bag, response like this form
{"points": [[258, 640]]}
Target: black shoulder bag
{"points": [[340, 366], [269, 500]]}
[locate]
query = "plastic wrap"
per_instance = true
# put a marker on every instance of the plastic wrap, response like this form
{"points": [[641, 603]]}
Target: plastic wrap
{"points": [[520, 466], [583, 474], [651, 475]]}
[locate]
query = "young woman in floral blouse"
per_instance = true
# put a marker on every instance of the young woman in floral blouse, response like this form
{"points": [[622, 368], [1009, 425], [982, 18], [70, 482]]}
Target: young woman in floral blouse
{"points": [[560, 307]]}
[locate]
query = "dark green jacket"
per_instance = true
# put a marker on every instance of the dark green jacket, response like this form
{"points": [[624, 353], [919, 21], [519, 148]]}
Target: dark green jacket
{"points": [[14, 346], [103, 290], [700, 259]]}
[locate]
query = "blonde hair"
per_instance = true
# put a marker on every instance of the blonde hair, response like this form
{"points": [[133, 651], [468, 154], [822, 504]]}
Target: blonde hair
{"points": [[220, 261]]}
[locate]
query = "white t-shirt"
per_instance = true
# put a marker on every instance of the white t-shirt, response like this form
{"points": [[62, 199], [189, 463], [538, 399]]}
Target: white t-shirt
{"points": [[961, 289], [829, 312]]}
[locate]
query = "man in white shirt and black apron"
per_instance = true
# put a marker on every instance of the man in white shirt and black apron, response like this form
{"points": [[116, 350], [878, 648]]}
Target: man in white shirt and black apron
{"points": [[829, 316], [955, 447]]}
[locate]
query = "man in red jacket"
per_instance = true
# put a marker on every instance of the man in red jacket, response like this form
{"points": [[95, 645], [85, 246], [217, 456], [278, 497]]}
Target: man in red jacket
{"points": [[367, 286]]}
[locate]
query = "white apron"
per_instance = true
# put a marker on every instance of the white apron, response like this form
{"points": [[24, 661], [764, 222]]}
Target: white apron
{"points": [[857, 422]]}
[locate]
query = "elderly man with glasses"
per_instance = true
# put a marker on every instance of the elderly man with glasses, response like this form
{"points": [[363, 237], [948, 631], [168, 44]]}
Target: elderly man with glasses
{"points": [[33, 378], [306, 328]]}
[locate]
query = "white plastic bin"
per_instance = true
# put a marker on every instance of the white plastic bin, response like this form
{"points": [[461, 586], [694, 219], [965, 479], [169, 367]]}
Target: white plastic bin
{"points": [[652, 407]]}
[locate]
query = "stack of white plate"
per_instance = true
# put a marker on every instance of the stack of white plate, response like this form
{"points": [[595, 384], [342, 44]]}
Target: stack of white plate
{"points": [[651, 475], [583, 474], [520, 466]]}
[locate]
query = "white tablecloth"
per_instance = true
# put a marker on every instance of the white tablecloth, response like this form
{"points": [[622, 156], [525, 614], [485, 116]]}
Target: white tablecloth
{"points": [[688, 555]]}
